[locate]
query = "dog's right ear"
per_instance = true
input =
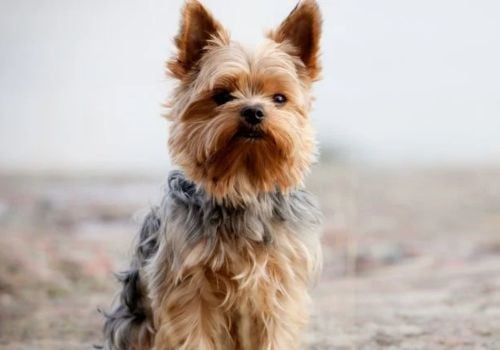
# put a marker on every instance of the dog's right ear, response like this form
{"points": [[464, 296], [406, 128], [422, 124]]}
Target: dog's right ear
{"points": [[302, 29], [198, 29]]}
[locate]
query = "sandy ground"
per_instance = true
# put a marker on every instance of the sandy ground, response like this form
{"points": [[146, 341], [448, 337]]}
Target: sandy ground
{"points": [[412, 257]]}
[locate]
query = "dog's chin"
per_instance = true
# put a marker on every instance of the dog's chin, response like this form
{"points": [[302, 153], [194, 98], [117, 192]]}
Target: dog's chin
{"points": [[250, 134]]}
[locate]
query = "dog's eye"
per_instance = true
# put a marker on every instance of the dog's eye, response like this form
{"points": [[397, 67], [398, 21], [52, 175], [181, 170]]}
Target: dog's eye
{"points": [[279, 99], [222, 97]]}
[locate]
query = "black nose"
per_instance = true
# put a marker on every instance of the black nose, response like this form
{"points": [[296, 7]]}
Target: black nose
{"points": [[253, 114]]}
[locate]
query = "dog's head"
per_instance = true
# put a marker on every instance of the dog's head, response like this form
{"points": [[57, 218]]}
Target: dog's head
{"points": [[240, 123]]}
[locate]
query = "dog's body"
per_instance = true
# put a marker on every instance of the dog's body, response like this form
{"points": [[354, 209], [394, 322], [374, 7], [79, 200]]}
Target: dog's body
{"points": [[226, 261], [219, 277]]}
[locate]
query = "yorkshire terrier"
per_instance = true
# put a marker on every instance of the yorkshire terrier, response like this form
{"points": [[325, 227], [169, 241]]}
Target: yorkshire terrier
{"points": [[226, 261]]}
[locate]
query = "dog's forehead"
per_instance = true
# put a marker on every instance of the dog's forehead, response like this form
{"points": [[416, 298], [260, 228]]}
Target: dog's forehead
{"points": [[235, 60]]}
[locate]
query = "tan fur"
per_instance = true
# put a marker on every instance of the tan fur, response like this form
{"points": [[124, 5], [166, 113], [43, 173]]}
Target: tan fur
{"points": [[243, 296], [201, 136], [240, 293], [202, 141]]}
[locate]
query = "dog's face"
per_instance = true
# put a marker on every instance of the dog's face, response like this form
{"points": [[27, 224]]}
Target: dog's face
{"points": [[240, 123]]}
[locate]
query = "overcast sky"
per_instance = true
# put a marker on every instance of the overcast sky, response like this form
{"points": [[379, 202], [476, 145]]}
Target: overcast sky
{"points": [[82, 82]]}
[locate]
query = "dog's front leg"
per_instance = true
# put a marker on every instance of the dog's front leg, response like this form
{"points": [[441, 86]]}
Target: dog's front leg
{"points": [[189, 317], [279, 330], [277, 309]]}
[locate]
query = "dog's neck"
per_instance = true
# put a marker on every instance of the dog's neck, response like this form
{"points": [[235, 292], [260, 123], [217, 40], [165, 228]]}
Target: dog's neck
{"points": [[297, 209], [179, 185]]}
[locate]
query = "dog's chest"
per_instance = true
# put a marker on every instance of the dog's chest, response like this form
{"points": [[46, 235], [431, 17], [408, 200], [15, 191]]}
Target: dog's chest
{"points": [[268, 241]]}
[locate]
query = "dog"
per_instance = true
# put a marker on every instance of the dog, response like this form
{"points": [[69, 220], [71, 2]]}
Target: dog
{"points": [[227, 259]]}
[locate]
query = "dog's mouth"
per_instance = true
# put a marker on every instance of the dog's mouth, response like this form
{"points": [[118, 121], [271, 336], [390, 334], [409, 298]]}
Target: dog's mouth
{"points": [[250, 133]]}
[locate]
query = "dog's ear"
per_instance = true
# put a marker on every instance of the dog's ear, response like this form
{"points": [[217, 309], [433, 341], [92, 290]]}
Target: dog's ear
{"points": [[198, 28], [302, 29]]}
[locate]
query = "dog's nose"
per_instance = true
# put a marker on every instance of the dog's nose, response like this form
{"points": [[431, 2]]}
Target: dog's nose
{"points": [[253, 114]]}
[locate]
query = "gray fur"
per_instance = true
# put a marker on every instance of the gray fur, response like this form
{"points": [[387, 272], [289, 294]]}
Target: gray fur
{"points": [[131, 316], [186, 216]]}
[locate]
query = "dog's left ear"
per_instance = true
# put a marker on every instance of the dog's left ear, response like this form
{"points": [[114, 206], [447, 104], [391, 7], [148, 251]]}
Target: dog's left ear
{"points": [[198, 29], [302, 29]]}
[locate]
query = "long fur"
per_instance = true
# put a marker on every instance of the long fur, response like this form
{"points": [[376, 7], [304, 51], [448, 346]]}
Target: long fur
{"points": [[226, 260], [128, 325]]}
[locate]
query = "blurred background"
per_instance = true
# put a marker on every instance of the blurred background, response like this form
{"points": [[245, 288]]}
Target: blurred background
{"points": [[408, 119]]}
